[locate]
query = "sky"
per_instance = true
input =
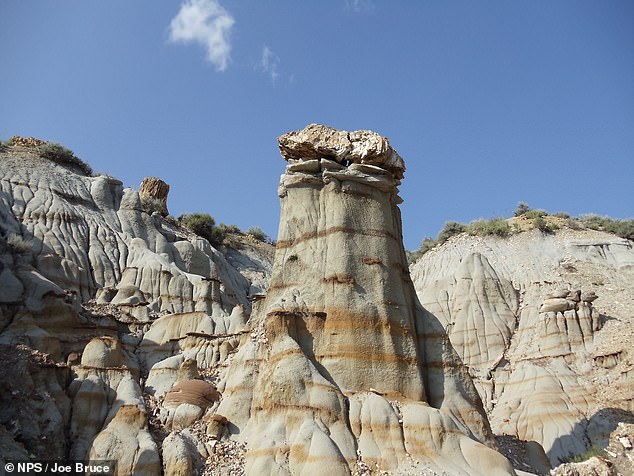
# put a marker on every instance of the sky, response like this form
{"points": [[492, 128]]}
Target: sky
{"points": [[489, 103]]}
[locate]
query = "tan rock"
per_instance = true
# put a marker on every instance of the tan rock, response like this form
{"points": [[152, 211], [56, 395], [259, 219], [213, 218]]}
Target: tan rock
{"points": [[317, 141], [195, 392], [127, 440], [186, 402], [341, 322], [155, 189], [591, 467]]}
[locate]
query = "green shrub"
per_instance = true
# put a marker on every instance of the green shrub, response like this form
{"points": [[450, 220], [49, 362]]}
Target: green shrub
{"points": [[151, 205], [203, 224], [622, 228], [451, 228], [594, 451], [544, 226], [63, 156], [563, 215], [200, 223], [495, 226], [229, 228], [594, 222], [218, 236], [427, 244], [535, 214], [257, 233], [521, 209]]}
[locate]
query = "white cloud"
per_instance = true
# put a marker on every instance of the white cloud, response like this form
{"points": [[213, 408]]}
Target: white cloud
{"points": [[269, 62], [360, 6], [205, 22]]}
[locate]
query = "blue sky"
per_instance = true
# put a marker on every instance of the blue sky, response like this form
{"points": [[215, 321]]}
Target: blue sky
{"points": [[489, 103]]}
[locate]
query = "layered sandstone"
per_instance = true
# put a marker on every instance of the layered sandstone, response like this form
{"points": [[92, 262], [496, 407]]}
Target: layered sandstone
{"points": [[343, 367], [116, 304], [544, 323]]}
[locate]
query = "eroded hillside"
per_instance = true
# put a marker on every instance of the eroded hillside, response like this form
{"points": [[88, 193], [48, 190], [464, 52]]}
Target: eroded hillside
{"points": [[544, 320], [125, 336], [107, 306]]}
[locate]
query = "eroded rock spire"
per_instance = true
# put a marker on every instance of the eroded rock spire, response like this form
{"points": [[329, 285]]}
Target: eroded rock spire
{"points": [[343, 367]]}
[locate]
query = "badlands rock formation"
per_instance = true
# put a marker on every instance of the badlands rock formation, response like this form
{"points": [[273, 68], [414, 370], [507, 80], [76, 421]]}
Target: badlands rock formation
{"points": [[545, 324], [102, 307], [343, 368], [154, 188], [123, 336]]}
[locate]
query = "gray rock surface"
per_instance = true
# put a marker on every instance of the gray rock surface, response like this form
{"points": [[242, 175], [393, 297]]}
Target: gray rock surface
{"points": [[545, 324], [93, 292]]}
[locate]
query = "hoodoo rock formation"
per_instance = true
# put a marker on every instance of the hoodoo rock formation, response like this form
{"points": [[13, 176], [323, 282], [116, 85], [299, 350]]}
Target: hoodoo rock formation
{"points": [[343, 367], [126, 336]]}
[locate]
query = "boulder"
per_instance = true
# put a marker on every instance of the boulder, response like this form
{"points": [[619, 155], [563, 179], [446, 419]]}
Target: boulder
{"points": [[317, 141], [155, 189]]}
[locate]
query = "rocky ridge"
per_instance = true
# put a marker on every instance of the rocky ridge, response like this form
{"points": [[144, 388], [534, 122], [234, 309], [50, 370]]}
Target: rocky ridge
{"points": [[544, 323], [115, 304]]}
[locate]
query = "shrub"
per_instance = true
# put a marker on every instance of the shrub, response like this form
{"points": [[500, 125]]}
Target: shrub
{"points": [[544, 226], [594, 222], [18, 244], [200, 223], [495, 226], [594, 451], [563, 215], [535, 213], [218, 236], [229, 228], [622, 228], [151, 205], [258, 234], [574, 223], [521, 209], [63, 156], [171, 220], [427, 244], [451, 228]]}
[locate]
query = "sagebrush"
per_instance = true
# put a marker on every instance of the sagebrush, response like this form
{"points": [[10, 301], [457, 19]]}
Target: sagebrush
{"points": [[63, 156]]}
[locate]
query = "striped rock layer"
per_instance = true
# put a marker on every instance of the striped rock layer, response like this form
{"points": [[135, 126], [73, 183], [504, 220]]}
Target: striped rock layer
{"points": [[544, 323], [343, 367]]}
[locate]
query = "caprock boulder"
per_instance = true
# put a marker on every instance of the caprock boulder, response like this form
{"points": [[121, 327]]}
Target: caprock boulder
{"points": [[343, 369]]}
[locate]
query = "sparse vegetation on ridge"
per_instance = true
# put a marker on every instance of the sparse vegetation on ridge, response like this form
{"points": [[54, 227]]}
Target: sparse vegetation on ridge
{"points": [[621, 228], [200, 223], [257, 233], [539, 219], [51, 151], [204, 226], [495, 226], [63, 156]]}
